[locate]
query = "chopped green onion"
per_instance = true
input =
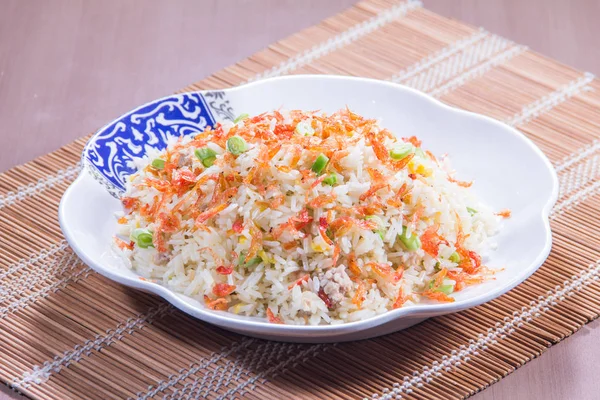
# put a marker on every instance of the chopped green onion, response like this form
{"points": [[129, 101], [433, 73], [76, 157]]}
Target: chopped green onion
{"points": [[242, 258], [454, 257], [320, 163], [240, 117], [158, 163], [206, 155], [143, 238], [253, 262], [401, 151], [471, 211], [304, 128], [446, 289], [208, 162], [236, 145], [329, 233], [380, 228], [330, 180], [411, 243], [436, 267]]}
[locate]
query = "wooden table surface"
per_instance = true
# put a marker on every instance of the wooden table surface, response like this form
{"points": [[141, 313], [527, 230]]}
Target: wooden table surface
{"points": [[69, 66]]}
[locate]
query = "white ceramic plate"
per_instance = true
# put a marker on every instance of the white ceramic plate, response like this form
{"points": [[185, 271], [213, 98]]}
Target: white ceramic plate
{"points": [[508, 169]]}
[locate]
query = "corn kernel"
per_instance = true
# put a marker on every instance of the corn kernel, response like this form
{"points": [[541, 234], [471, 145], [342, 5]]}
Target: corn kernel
{"points": [[316, 247], [237, 308]]}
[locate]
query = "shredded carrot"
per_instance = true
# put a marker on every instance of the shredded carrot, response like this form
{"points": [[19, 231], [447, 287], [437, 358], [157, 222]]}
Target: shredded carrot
{"points": [[336, 255], [289, 245], [470, 261], [353, 265], [400, 299], [168, 223], [460, 183], [397, 276], [272, 318], [413, 140], [130, 203], [223, 289], [416, 217], [381, 152], [439, 279], [430, 240], [123, 244], [359, 294], [504, 213], [375, 187], [383, 270], [438, 296], [256, 243], [206, 215], [299, 282], [278, 198], [344, 223], [430, 154], [322, 200], [323, 230], [217, 304], [223, 270]]}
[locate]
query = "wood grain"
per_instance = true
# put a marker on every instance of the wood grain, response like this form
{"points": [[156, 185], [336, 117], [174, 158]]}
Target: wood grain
{"points": [[69, 66]]}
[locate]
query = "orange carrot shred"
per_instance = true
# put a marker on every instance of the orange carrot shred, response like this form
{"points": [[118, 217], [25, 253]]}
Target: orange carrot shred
{"points": [[400, 299], [353, 265], [460, 183], [299, 282], [223, 289], [272, 318], [123, 244], [359, 295], [223, 270], [504, 213], [413, 140], [217, 304]]}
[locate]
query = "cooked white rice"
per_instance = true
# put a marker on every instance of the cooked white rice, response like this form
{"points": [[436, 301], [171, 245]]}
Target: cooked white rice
{"points": [[389, 273]]}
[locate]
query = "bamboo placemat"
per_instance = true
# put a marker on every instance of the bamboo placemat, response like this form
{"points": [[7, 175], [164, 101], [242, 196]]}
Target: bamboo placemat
{"points": [[66, 332]]}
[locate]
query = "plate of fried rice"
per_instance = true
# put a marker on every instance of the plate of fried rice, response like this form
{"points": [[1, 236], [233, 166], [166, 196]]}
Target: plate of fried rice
{"points": [[311, 208]]}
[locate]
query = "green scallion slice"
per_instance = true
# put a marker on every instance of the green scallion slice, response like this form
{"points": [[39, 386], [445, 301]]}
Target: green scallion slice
{"points": [[380, 228], [236, 145], [412, 242], [331, 179], [240, 118], [454, 257], [158, 163], [320, 163], [142, 237], [446, 289], [206, 155], [401, 151]]}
